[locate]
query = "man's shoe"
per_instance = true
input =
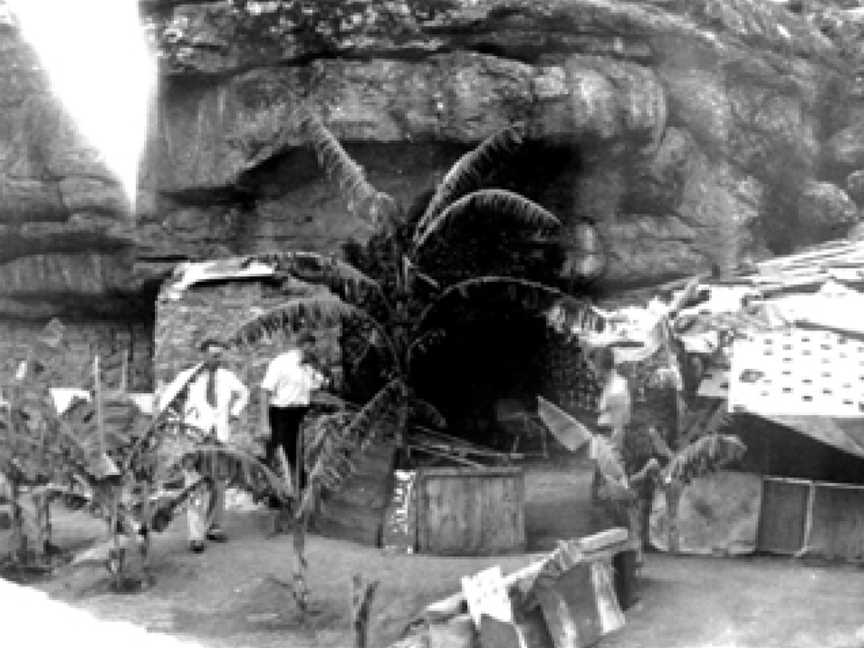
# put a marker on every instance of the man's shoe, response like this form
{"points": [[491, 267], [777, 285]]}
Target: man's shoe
{"points": [[217, 535], [196, 546]]}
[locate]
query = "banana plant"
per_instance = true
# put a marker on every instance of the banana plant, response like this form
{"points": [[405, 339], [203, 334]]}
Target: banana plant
{"points": [[394, 297], [115, 474]]}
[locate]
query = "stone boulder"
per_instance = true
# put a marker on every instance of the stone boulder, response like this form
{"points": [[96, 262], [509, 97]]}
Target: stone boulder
{"points": [[692, 112], [219, 36], [65, 222], [855, 186], [826, 209], [845, 148], [213, 135], [680, 121]]}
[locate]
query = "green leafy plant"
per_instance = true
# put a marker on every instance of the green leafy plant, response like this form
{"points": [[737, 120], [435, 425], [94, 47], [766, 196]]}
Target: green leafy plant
{"points": [[116, 472]]}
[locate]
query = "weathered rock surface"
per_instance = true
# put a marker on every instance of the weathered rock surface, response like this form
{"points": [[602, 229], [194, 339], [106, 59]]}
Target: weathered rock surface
{"points": [[826, 207], [684, 122], [855, 186], [846, 147], [66, 227]]}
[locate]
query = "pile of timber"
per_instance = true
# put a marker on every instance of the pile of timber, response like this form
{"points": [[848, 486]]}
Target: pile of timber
{"points": [[841, 260], [437, 447], [551, 608]]}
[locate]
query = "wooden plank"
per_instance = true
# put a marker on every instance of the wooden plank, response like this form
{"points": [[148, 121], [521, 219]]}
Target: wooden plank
{"points": [[783, 515], [470, 512], [490, 471], [569, 607], [599, 546], [449, 514], [503, 527], [444, 455]]}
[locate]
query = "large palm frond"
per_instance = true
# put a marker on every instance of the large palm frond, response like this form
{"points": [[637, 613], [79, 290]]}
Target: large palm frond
{"points": [[240, 468], [363, 199], [341, 278], [320, 430], [425, 413], [702, 456], [574, 317], [711, 420], [470, 169], [490, 203], [326, 310], [340, 448], [529, 293], [168, 404], [422, 343]]}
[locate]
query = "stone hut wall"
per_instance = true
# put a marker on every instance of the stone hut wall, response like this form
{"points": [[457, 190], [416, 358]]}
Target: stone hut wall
{"points": [[217, 309]]}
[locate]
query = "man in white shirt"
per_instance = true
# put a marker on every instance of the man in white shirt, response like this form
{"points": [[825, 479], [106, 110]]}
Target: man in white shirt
{"points": [[286, 393], [215, 398]]}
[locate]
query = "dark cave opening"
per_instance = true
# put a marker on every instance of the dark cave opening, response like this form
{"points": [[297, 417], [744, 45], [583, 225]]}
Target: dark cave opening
{"points": [[493, 356]]}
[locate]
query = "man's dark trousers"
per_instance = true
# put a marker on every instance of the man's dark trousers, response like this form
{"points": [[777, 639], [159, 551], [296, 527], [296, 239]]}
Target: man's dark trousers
{"points": [[285, 431]]}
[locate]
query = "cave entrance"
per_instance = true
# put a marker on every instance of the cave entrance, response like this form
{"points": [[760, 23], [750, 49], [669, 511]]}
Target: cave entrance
{"points": [[491, 360]]}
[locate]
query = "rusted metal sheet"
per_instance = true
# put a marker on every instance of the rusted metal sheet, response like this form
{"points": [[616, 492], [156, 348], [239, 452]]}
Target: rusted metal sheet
{"points": [[816, 518], [837, 527], [783, 518]]}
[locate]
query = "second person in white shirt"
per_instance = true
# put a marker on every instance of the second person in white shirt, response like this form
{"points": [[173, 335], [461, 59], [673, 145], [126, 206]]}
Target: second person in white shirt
{"points": [[287, 390]]}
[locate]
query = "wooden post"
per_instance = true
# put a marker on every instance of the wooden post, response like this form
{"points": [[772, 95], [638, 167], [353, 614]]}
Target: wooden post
{"points": [[299, 589], [97, 397], [18, 543], [124, 370], [361, 604], [299, 461]]}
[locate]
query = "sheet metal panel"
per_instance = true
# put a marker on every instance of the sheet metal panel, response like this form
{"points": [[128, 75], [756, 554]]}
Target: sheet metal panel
{"points": [[783, 518]]}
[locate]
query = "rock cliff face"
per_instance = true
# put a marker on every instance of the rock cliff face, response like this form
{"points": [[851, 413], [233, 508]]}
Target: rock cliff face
{"points": [[692, 135]]}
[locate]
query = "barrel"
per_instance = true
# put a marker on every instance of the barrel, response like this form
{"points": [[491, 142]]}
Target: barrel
{"points": [[470, 511]]}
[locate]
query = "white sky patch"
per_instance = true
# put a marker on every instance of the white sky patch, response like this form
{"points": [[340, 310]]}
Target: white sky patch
{"points": [[100, 66]]}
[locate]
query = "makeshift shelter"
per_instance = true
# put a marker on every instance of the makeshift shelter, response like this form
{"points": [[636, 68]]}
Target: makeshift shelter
{"points": [[784, 347], [781, 350]]}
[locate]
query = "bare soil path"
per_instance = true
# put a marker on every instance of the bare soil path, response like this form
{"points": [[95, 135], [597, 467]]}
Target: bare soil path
{"points": [[227, 596]]}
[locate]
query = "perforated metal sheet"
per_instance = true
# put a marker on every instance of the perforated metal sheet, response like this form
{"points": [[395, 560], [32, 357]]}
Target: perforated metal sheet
{"points": [[715, 383], [798, 373]]}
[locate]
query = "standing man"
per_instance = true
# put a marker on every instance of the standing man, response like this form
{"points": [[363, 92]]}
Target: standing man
{"points": [[215, 399], [286, 393], [614, 406], [623, 481]]}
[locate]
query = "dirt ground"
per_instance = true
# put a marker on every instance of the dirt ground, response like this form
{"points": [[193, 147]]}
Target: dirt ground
{"points": [[231, 595]]}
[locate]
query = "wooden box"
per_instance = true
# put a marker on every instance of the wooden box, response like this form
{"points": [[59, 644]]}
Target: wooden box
{"points": [[817, 518], [783, 515], [470, 511]]}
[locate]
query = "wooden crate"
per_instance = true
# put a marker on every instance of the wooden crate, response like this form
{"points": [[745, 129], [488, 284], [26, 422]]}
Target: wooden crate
{"points": [[470, 511], [818, 518], [837, 526], [783, 516]]}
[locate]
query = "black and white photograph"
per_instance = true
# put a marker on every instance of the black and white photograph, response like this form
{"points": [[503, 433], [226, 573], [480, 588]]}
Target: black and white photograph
{"points": [[432, 323]]}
